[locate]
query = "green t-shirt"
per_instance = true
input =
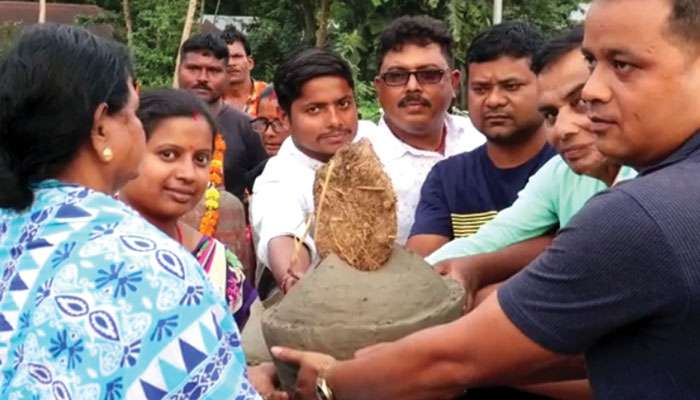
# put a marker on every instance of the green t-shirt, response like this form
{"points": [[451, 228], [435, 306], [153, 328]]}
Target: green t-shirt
{"points": [[551, 197]]}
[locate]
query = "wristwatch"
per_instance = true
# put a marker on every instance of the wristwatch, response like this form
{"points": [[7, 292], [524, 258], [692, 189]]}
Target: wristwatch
{"points": [[323, 391]]}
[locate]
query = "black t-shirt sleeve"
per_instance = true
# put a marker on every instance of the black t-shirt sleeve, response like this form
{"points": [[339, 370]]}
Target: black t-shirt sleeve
{"points": [[432, 213], [255, 152], [609, 267], [254, 146]]}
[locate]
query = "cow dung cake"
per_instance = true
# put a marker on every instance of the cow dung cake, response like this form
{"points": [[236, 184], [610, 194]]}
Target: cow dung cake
{"points": [[366, 290]]}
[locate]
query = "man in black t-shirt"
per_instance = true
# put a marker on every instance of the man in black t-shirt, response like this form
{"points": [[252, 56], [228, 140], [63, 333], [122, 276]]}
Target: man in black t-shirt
{"points": [[202, 71], [467, 190]]}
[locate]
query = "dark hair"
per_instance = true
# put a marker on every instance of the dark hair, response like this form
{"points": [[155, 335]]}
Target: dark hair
{"points": [[231, 35], [420, 30], [205, 42], [51, 83], [159, 104], [304, 66], [685, 19], [556, 48], [511, 39]]}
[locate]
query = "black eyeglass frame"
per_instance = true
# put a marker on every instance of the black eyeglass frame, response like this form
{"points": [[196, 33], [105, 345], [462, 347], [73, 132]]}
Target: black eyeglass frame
{"points": [[423, 76], [277, 125]]}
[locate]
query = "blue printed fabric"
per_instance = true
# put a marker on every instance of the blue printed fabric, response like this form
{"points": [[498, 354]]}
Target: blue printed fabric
{"points": [[96, 303]]}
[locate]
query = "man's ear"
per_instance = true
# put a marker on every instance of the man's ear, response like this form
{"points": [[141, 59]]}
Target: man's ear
{"points": [[99, 136], [251, 61], [455, 77]]}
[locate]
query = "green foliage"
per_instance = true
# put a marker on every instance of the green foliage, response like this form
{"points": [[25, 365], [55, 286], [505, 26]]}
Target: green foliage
{"points": [[157, 28], [156, 39], [283, 26], [8, 34]]}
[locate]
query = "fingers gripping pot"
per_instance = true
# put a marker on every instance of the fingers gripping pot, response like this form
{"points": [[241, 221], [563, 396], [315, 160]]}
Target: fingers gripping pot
{"points": [[365, 291]]}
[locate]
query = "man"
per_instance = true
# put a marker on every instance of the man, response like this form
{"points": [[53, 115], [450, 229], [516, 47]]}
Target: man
{"points": [[556, 192], [242, 92], [619, 283], [315, 91], [465, 191], [415, 85], [203, 72]]}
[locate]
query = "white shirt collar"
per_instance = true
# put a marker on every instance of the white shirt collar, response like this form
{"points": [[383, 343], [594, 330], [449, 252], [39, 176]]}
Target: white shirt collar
{"points": [[396, 148]]}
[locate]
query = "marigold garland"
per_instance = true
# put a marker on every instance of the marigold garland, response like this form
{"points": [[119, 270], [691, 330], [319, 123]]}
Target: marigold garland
{"points": [[210, 219]]}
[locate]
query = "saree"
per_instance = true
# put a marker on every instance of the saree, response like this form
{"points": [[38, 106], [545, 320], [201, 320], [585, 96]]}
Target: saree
{"points": [[96, 303]]}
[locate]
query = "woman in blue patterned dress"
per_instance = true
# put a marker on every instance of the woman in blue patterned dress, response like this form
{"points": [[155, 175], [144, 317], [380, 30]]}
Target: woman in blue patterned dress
{"points": [[95, 302]]}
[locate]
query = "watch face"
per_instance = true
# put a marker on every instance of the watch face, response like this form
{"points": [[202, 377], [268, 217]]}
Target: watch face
{"points": [[319, 393]]}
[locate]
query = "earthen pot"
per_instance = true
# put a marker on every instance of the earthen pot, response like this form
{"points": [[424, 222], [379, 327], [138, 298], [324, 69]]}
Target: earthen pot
{"points": [[337, 309]]}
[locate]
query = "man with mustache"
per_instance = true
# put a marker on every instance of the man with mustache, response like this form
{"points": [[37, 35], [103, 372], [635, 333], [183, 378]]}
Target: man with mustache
{"points": [[242, 92], [415, 84], [555, 193], [202, 71], [620, 282], [315, 93], [464, 191]]}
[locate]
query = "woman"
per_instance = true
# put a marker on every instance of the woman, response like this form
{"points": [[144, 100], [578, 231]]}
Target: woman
{"points": [[95, 303], [180, 135]]}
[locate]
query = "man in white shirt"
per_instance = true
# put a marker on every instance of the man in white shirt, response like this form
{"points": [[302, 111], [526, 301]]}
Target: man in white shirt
{"points": [[315, 91], [416, 84]]}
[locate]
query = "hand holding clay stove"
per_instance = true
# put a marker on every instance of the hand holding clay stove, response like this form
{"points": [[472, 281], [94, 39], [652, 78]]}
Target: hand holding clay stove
{"points": [[365, 291]]}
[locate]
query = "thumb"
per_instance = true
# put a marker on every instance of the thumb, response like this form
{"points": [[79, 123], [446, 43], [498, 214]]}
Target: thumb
{"points": [[286, 354]]}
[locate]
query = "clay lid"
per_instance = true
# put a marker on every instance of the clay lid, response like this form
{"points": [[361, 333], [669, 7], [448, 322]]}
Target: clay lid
{"points": [[404, 290]]}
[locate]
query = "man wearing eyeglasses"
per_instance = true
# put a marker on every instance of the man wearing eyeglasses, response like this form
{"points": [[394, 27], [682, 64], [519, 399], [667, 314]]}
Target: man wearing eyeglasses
{"points": [[465, 191], [416, 84], [270, 124]]}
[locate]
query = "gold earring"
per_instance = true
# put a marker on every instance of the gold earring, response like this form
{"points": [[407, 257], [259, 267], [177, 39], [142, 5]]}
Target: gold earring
{"points": [[107, 154]]}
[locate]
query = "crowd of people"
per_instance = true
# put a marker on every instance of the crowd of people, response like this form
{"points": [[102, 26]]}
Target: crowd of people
{"points": [[141, 230]]}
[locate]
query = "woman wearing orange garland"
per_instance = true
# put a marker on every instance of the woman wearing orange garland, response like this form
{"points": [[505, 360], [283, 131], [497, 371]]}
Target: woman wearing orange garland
{"points": [[183, 161]]}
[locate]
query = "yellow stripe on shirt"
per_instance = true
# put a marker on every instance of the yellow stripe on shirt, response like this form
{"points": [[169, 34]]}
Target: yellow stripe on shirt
{"points": [[467, 224]]}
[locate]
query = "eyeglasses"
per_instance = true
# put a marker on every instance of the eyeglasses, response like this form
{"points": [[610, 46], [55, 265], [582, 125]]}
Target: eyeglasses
{"points": [[261, 124], [423, 76]]}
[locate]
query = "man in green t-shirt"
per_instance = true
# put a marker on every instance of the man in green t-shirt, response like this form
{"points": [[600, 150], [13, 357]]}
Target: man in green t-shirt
{"points": [[555, 193]]}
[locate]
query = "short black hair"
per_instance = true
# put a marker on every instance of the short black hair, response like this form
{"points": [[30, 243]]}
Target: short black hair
{"points": [[51, 83], [304, 66], [556, 48], [160, 104], [205, 42], [231, 35], [509, 39], [685, 20], [420, 30]]}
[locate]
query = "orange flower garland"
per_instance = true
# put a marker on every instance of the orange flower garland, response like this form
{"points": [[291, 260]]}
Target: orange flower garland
{"points": [[210, 219]]}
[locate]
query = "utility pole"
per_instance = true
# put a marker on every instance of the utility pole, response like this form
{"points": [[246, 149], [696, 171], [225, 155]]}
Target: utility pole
{"points": [[42, 11], [497, 11], [186, 30]]}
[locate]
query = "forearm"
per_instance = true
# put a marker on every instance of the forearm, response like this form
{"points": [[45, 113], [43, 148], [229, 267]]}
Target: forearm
{"points": [[569, 390], [284, 254], [433, 372], [490, 268], [424, 244], [481, 348]]}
